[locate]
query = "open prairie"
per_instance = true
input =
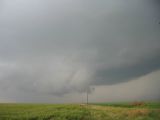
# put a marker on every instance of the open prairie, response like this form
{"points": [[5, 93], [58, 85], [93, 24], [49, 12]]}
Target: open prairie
{"points": [[98, 111]]}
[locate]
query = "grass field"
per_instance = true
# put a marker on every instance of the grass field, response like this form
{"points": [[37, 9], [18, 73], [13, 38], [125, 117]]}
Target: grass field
{"points": [[98, 111]]}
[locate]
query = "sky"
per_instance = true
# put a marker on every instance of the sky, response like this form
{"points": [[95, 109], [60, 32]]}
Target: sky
{"points": [[53, 51]]}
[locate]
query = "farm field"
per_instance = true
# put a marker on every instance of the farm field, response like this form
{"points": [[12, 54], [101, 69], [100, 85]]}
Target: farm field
{"points": [[98, 111]]}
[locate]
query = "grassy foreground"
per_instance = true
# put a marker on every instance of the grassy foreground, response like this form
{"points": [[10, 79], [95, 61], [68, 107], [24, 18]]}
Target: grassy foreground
{"points": [[123, 111]]}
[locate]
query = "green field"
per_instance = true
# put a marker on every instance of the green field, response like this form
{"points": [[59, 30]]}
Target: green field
{"points": [[98, 111]]}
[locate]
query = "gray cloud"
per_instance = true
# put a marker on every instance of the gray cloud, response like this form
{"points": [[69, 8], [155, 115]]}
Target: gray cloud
{"points": [[60, 47], [128, 72], [144, 88]]}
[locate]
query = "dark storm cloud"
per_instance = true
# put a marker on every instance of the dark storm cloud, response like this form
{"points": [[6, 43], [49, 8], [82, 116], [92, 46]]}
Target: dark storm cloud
{"points": [[129, 72], [60, 47]]}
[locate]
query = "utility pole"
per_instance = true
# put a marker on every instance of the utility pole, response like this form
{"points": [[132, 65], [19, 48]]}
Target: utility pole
{"points": [[87, 96], [87, 91]]}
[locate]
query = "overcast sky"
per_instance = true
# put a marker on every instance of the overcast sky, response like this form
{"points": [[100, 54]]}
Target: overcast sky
{"points": [[54, 50]]}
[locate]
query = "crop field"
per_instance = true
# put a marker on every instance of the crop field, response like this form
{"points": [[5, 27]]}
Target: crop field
{"points": [[98, 111]]}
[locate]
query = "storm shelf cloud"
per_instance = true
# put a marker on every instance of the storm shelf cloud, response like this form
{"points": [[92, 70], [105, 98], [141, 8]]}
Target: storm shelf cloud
{"points": [[54, 48]]}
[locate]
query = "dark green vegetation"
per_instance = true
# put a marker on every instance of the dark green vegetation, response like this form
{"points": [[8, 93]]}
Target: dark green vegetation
{"points": [[43, 112], [101, 111]]}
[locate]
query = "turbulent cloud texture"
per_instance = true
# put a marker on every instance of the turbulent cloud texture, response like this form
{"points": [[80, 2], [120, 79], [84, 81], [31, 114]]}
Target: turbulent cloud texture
{"points": [[59, 47]]}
